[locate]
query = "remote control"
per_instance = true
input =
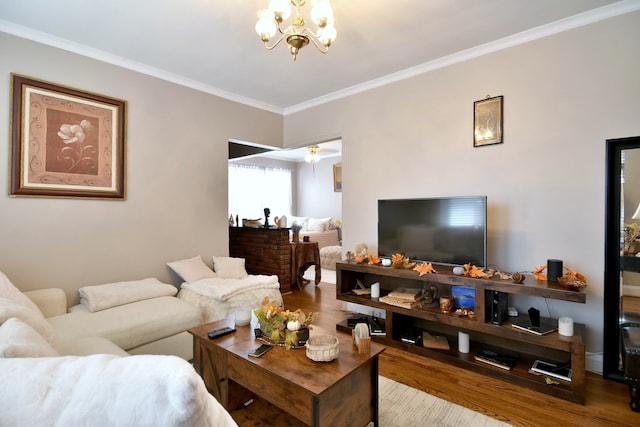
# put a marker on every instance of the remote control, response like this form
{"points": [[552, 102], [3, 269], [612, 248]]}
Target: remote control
{"points": [[217, 333]]}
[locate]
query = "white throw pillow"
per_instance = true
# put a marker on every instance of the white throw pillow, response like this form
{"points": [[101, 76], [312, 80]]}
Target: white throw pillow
{"points": [[108, 295], [302, 221], [192, 269], [18, 339], [35, 319], [229, 268], [318, 224], [8, 290]]}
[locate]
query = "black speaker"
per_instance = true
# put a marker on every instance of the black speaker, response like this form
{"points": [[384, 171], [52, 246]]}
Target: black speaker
{"points": [[554, 269], [499, 307]]}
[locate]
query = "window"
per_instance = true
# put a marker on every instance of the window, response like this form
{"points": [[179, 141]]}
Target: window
{"points": [[253, 188]]}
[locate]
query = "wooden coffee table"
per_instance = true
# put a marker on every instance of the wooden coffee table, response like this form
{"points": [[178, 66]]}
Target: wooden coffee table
{"points": [[343, 392]]}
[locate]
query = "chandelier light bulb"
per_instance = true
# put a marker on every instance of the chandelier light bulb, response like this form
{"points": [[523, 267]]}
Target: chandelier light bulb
{"points": [[328, 35], [266, 26], [282, 7], [322, 13]]}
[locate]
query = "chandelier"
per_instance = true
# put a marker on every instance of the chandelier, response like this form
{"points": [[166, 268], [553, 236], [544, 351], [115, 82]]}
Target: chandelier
{"points": [[297, 34]]}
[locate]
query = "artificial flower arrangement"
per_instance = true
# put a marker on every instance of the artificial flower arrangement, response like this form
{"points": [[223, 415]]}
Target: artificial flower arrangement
{"points": [[283, 326]]}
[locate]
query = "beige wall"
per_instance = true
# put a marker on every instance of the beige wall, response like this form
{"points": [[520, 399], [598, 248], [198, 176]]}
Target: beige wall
{"points": [[176, 203], [315, 196], [564, 95]]}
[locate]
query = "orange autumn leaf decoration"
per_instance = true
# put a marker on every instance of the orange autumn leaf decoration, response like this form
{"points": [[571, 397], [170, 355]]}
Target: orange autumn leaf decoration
{"points": [[424, 268], [538, 273], [397, 258], [473, 271], [373, 260], [400, 261], [359, 259]]}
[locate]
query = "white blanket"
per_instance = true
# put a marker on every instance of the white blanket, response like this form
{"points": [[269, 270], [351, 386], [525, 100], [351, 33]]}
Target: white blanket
{"points": [[101, 297], [223, 289], [106, 390]]}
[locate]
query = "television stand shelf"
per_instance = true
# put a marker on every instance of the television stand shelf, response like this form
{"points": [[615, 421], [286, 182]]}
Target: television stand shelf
{"points": [[484, 334]]}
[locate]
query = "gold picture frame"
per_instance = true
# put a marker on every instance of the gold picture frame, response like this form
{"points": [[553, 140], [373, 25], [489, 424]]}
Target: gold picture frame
{"points": [[65, 142], [337, 177], [487, 121]]}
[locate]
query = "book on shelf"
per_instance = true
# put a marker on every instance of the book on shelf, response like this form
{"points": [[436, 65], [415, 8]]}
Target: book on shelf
{"points": [[434, 341], [546, 326], [399, 302], [494, 358], [406, 294]]}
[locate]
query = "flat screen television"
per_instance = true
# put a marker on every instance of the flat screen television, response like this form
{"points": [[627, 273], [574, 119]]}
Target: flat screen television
{"points": [[443, 230]]}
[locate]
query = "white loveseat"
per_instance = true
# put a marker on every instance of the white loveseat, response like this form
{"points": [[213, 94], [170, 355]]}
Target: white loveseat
{"points": [[72, 369], [225, 289]]}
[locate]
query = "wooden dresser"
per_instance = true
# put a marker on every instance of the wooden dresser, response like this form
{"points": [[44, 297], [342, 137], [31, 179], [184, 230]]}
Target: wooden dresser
{"points": [[265, 250]]}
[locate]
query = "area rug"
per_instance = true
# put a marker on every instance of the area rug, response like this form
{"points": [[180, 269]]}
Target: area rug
{"points": [[401, 405]]}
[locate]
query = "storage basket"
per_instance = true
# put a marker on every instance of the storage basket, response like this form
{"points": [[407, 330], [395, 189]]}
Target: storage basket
{"points": [[322, 348]]}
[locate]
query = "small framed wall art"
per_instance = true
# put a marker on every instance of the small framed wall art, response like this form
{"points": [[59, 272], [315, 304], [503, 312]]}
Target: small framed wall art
{"points": [[337, 177], [66, 142], [487, 121]]}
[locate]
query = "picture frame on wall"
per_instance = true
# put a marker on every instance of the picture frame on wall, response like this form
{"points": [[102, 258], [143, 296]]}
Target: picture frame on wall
{"points": [[487, 121], [337, 177], [66, 142]]}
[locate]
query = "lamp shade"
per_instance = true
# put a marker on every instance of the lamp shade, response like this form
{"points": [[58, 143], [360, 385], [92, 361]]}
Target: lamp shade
{"points": [[321, 11], [280, 6], [265, 24]]}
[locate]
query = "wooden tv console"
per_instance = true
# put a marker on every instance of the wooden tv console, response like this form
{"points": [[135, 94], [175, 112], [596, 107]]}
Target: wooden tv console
{"points": [[484, 334]]}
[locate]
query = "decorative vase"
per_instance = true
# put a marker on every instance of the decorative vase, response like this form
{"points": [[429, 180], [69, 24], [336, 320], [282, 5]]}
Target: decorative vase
{"points": [[446, 304], [296, 237]]}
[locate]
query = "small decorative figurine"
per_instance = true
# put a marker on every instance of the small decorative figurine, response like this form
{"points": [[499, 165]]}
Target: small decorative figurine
{"points": [[267, 212], [446, 304]]}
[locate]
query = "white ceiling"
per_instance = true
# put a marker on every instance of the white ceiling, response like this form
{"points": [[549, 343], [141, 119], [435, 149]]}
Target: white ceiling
{"points": [[211, 45]]}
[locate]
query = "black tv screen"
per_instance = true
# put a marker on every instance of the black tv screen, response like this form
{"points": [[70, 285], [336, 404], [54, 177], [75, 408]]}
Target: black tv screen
{"points": [[445, 230]]}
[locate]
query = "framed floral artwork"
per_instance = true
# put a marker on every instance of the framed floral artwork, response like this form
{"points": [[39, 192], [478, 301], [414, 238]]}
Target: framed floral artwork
{"points": [[487, 121], [66, 142]]}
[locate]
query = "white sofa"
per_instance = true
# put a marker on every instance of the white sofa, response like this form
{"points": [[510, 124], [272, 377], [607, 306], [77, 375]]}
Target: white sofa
{"points": [[324, 231], [69, 369], [152, 321]]}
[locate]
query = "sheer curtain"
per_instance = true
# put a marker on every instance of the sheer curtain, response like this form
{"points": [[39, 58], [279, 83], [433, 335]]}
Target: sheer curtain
{"points": [[253, 188]]}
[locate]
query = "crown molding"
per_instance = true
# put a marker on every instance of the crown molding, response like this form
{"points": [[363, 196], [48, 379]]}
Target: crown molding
{"points": [[69, 46], [576, 21], [572, 22]]}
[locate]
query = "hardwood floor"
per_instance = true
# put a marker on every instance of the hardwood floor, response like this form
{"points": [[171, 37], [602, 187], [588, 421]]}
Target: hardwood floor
{"points": [[607, 402]]}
